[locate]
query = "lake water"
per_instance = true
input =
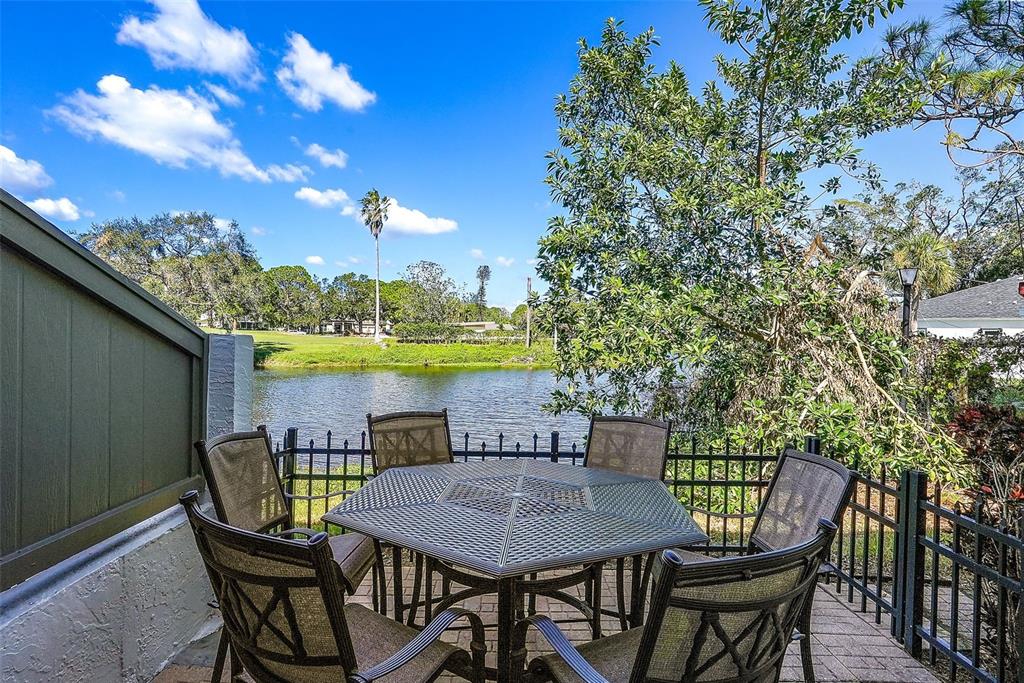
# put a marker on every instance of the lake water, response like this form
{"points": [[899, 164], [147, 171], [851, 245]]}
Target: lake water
{"points": [[481, 402]]}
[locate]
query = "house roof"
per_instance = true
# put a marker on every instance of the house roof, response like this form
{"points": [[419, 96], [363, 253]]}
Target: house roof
{"points": [[998, 299]]}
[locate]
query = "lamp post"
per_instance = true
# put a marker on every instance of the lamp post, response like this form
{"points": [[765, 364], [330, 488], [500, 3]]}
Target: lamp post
{"points": [[908, 276]]}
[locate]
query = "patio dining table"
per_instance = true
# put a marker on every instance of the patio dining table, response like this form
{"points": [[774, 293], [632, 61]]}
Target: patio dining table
{"points": [[506, 519]]}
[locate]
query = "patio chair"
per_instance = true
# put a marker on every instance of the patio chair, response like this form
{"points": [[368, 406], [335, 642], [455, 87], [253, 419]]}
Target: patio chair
{"points": [[637, 446], [804, 488], [407, 439], [727, 620], [286, 618], [247, 494]]}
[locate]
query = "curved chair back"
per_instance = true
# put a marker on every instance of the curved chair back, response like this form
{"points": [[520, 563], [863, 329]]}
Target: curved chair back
{"points": [[728, 620], [281, 600], [631, 445], [246, 491], [804, 489], [410, 438]]}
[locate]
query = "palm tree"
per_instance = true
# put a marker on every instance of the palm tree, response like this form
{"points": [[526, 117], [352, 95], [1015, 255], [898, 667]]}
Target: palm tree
{"points": [[375, 214], [932, 255]]}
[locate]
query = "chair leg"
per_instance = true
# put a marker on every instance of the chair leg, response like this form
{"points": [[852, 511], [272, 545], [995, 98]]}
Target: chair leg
{"points": [[381, 577], [218, 663], [595, 602], [417, 584], [236, 664], [805, 642], [396, 569], [620, 591]]}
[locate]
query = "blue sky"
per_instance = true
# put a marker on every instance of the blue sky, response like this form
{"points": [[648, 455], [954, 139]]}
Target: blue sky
{"points": [[281, 115]]}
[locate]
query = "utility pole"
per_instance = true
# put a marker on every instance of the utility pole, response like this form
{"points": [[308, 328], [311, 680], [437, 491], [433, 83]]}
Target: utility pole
{"points": [[529, 282]]}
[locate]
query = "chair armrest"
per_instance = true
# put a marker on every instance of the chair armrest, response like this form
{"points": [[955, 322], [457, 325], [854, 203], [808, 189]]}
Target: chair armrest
{"points": [[292, 532], [421, 642], [557, 640]]}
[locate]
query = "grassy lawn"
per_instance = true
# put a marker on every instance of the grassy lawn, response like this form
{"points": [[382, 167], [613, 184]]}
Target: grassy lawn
{"points": [[282, 350]]}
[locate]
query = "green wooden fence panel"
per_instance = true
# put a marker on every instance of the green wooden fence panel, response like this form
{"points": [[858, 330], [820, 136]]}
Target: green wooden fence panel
{"points": [[103, 393]]}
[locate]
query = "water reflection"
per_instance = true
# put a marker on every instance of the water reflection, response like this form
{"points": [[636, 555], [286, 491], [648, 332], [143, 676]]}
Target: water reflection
{"points": [[482, 402]]}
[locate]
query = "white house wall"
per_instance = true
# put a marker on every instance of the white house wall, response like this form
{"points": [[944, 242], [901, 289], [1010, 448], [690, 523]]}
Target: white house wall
{"points": [[968, 327]]}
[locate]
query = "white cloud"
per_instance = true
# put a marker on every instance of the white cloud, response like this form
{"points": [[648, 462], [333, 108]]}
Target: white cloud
{"points": [[21, 174], [117, 195], [324, 199], [326, 157], [504, 261], [289, 173], [348, 210], [180, 35], [258, 231], [415, 222], [222, 224], [349, 261], [226, 97], [309, 77], [315, 260], [61, 209], [532, 261], [478, 254], [172, 127]]}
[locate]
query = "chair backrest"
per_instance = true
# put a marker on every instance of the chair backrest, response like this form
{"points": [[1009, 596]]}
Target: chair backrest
{"points": [[243, 481], [410, 438], [728, 620], [631, 445], [281, 600], [804, 489]]}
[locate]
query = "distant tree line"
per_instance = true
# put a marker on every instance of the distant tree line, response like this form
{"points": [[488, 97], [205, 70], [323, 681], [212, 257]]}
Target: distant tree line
{"points": [[209, 272]]}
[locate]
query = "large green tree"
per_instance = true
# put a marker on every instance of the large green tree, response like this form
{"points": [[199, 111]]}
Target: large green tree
{"points": [[197, 264], [431, 295], [294, 298], [686, 268]]}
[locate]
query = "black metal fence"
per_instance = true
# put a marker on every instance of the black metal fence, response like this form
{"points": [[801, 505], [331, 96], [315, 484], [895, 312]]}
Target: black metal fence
{"points": [[947, 579]]}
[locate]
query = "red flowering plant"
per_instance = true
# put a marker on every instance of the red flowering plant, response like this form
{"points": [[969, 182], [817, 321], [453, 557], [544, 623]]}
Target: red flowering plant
{"points": [[993, 439]]}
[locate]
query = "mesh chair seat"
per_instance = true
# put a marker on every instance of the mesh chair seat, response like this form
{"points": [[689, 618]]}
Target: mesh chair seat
{"points": [[612, 657], [355, 554], [376, 637]]}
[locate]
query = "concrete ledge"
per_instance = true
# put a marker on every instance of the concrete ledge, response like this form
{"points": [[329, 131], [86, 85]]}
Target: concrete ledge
{"points": [[116, 611]]}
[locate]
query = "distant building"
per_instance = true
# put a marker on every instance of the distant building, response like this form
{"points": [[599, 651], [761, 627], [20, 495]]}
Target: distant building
{"points": [[485, 326], [352, 327], [993, 308]]}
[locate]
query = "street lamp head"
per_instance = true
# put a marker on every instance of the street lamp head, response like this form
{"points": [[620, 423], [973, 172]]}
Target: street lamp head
{"points": [[908, 276]]}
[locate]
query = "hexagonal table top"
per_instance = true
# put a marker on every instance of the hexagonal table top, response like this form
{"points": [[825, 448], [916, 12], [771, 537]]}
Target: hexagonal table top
{"points": [[515, 516]]}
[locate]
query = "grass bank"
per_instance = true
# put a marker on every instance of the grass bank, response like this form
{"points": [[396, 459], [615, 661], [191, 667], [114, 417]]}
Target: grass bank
{"points": [[283, 350]]}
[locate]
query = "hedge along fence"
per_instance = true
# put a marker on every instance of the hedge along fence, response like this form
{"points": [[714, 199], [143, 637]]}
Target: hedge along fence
{"points": [[947, 580], [104, 392]]}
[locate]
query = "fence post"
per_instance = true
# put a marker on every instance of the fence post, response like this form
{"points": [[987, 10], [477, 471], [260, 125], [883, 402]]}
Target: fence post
{"points": [[916, 484], [554, 446], [812, 444], [291, 442]]}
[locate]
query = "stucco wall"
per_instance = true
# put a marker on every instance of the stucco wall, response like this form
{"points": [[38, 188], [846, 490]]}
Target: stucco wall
{"points": [[118, 615]]}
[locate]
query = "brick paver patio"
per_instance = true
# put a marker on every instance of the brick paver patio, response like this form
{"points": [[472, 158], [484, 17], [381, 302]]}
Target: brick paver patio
{"points": [[847, 645]]}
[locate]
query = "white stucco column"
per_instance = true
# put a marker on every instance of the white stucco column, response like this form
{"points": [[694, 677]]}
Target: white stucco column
{"points": [[229, 393]]}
